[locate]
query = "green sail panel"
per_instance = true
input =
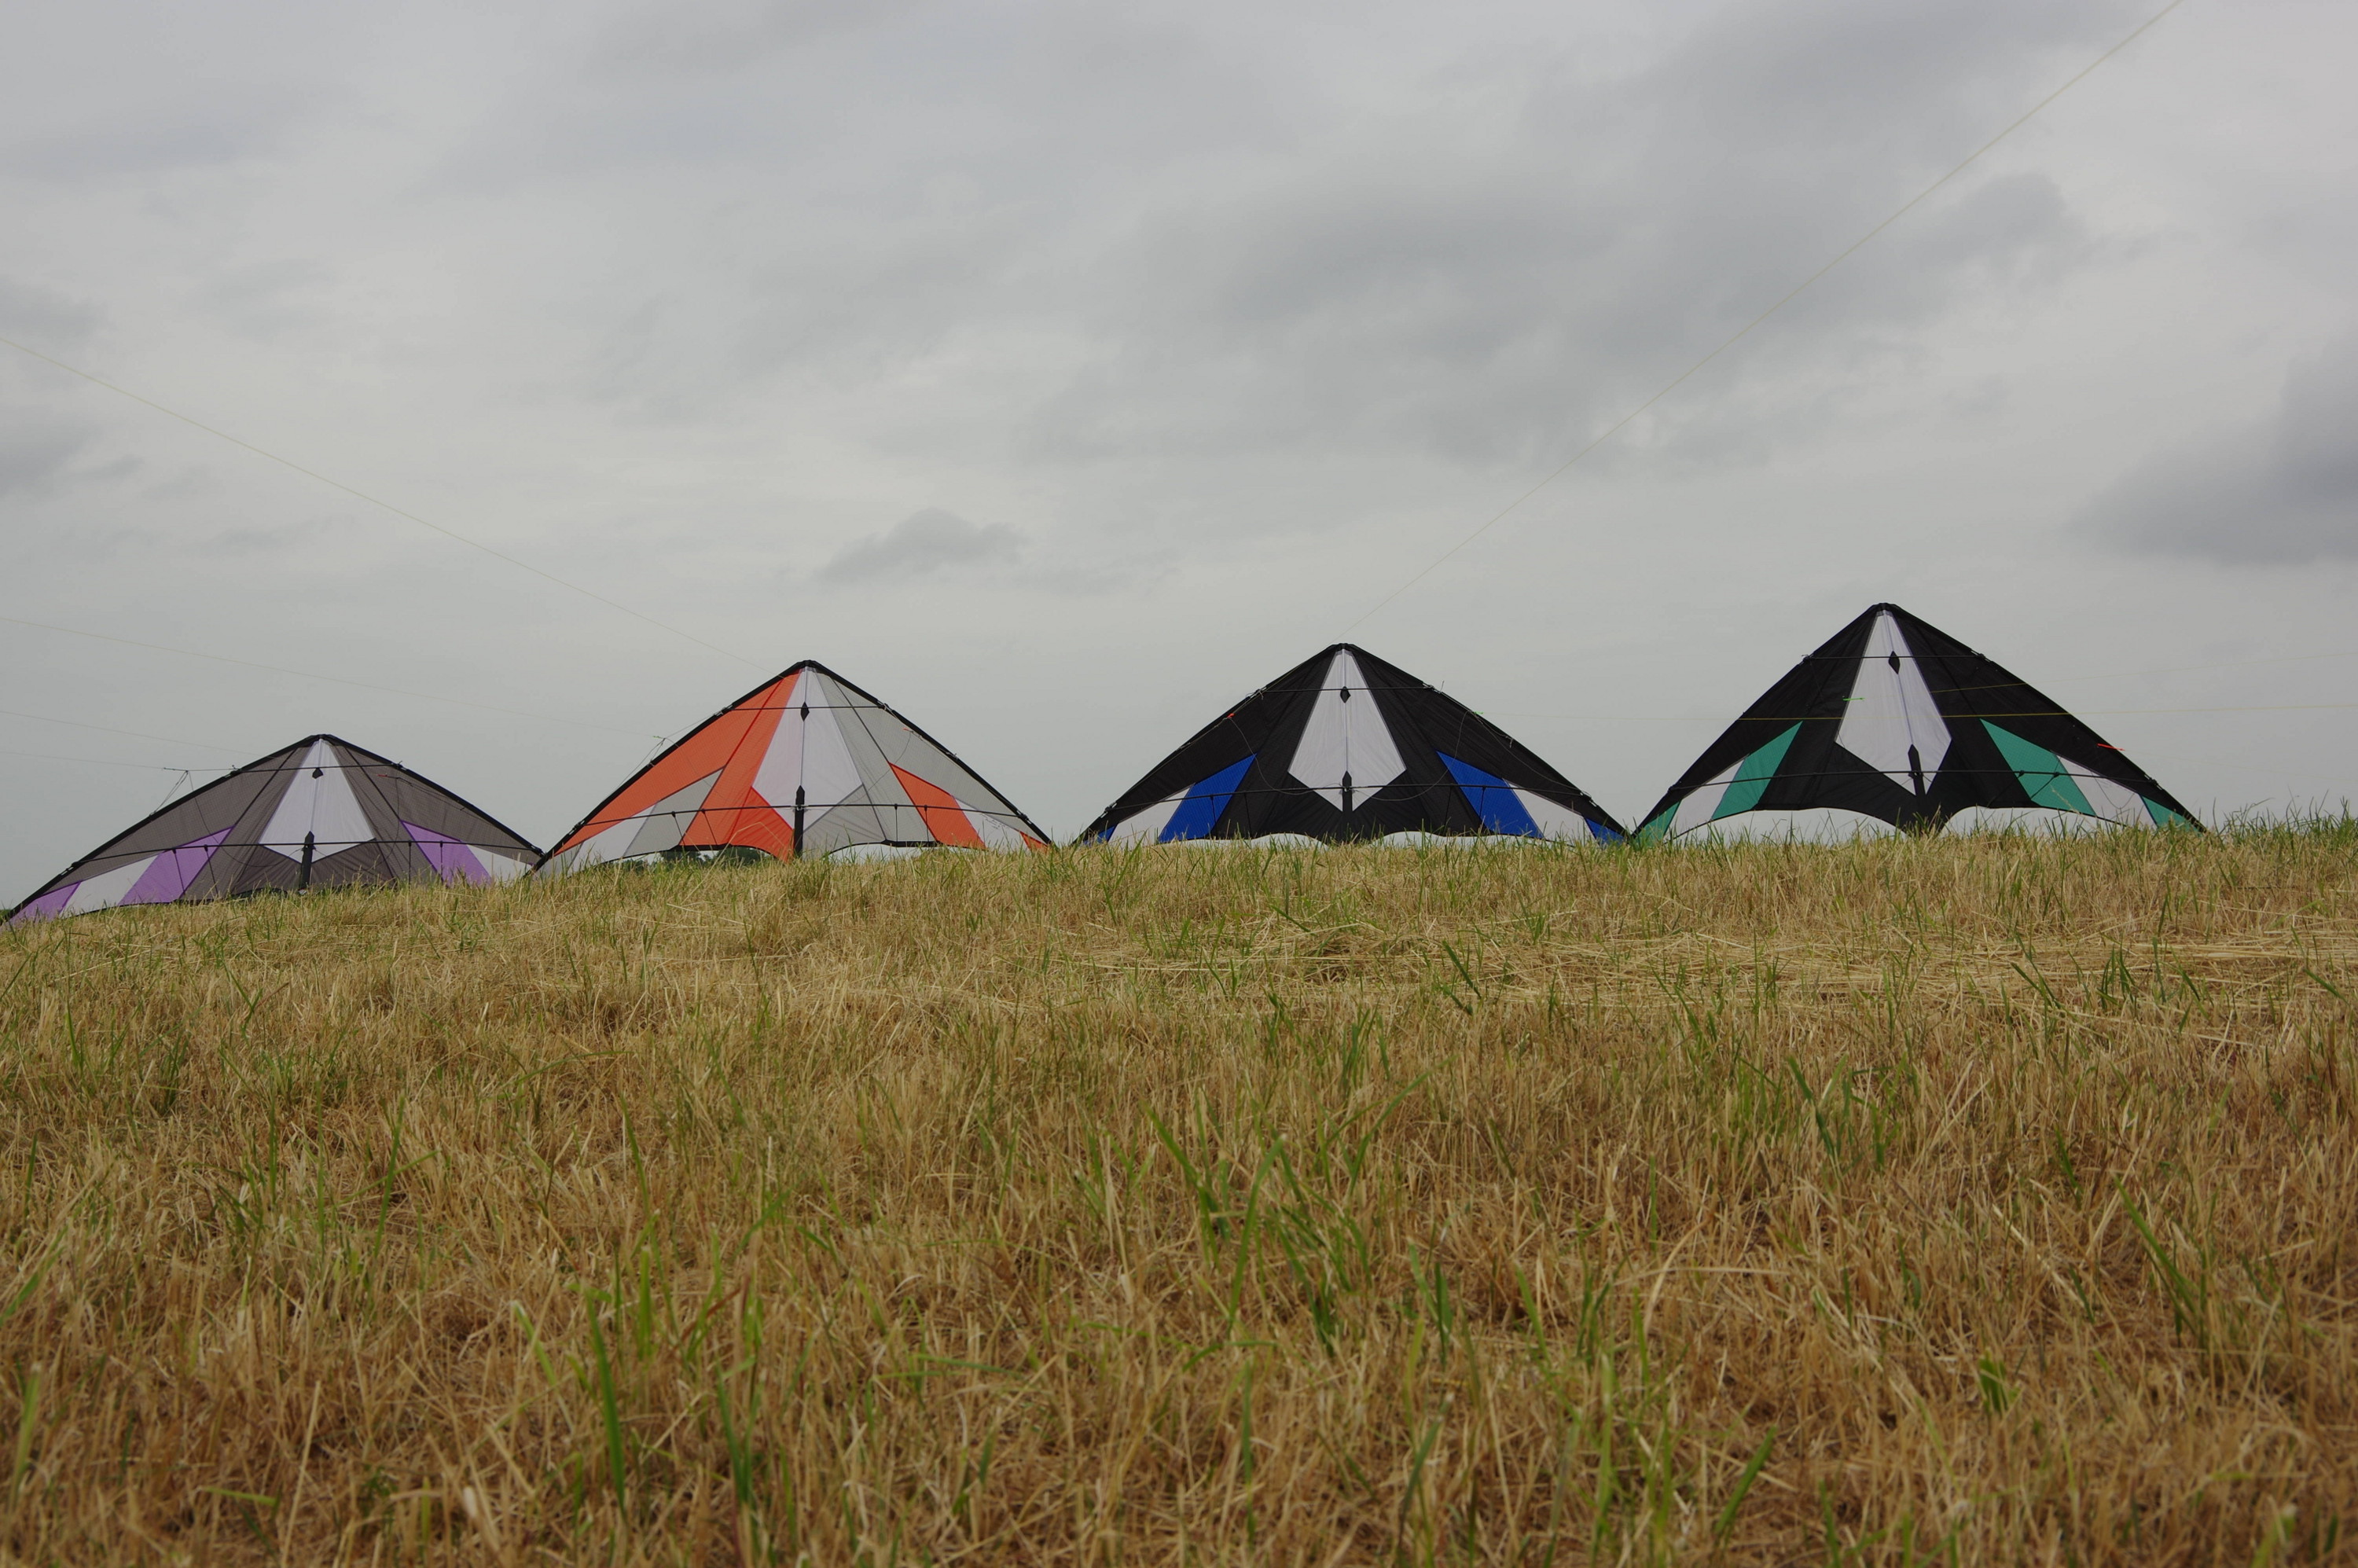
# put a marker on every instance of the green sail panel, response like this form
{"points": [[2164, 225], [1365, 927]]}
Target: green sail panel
{"points": [[1752, 775], [2054, 781], [1740, 789], [2045, 777]]}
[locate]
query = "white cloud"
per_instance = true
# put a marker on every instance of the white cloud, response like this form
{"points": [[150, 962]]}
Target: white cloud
{"points": [[923, 543]]}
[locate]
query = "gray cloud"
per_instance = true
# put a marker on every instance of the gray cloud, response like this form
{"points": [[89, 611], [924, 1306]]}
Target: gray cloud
{"points": [[43, 316], [38, 448], [1179, 256], [2282, 489], [266, 301], [137, 91], [921, 544], [1243, 313], [41, 441], [141, 148], [731, 35], [1486, 281]]}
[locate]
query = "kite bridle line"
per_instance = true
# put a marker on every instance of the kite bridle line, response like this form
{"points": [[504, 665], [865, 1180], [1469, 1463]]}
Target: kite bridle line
{"points": [[1745, 331], [373, 501]]}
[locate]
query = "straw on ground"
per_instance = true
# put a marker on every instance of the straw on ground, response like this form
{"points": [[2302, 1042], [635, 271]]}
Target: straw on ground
{"points": [[1977, 1200]]}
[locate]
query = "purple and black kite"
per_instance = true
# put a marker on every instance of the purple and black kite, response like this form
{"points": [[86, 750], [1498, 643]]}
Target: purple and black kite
{"points": [[322, 813]]}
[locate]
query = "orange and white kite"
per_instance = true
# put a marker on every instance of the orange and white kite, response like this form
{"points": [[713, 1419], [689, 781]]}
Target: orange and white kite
{"points": [[806, 763]]}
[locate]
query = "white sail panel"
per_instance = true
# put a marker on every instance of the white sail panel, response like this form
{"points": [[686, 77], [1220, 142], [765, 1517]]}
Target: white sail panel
{"points": [[319, 802], [809, 753], [1346, 738], [1891, 723]]}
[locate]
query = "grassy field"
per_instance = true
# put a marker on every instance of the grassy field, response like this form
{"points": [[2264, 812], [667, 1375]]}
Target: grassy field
{"points": [[1979, 1200]]}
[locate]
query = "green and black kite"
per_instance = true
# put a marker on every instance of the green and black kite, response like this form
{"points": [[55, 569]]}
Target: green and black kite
{"points": [[1896, 720]]}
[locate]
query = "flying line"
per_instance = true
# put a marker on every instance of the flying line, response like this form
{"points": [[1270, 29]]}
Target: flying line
{"points": [[1745, 331], [111, 729], [373, 501], [309, 674], [110, 762]]}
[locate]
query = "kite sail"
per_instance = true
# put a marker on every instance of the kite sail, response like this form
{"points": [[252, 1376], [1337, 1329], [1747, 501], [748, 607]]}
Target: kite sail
{"points": [[806, 763], [322, 813], [1344, 746], [1894, 719]]}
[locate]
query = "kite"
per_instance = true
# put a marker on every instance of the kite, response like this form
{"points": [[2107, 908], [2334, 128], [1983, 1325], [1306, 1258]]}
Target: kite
{"points": [[1345, 747], [322, 813], [1896, 720], [806, 763]]}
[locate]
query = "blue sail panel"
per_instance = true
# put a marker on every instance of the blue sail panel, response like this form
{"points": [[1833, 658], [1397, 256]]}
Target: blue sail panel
{"points": [[1201, 809], [1493, 798]]}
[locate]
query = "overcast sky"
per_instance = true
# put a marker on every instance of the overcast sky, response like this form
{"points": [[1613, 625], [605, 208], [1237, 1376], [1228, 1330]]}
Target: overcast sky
{"points": [[1062, 372]]}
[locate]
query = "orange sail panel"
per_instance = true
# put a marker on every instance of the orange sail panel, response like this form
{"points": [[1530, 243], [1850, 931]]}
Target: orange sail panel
{"points": [[943, 815], [734, 813], [704, 753]]}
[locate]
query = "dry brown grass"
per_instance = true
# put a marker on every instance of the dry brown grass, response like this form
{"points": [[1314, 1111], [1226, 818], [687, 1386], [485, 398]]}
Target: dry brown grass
{"points": [[1965, 1201]]}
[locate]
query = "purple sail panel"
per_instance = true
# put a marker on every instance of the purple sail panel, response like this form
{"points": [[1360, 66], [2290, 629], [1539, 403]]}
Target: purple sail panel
{"points": [[167, 876], [453, 860], [48, 904]]}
